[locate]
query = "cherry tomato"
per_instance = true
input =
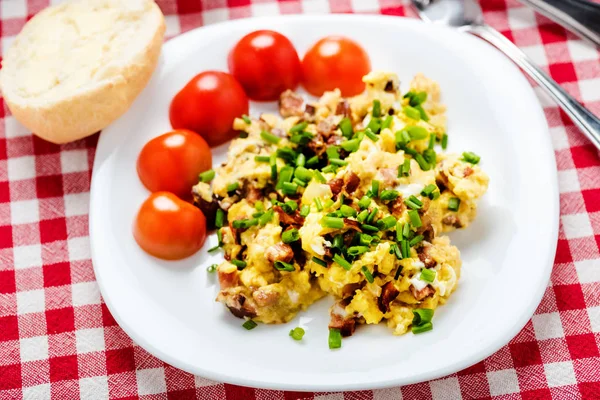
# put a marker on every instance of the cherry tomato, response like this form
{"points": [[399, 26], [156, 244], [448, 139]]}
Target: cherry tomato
{"points": [[168, 227], [266, 64], [335, 62], [208, 104], [172, 162]]}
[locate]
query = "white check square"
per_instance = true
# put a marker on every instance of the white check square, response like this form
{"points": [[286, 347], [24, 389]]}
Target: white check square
{"points": [[547, 326], [521, 17], [560, 374], [503, 382], [21, 168], [93, 388], [24, 211], [34, 348], [590, 89], [74, 161], [577, 225], [89, 340], [31, 301], [588, 270], [568, 181], [151, 381], [27, 256], [85, 293], [445, 389]]}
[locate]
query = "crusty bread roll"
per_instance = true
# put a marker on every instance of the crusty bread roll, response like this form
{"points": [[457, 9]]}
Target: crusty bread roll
{"points": [[77, 66]]}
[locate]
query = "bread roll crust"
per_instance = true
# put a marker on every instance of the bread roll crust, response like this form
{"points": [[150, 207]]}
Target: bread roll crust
{"points": [[79, 112]]}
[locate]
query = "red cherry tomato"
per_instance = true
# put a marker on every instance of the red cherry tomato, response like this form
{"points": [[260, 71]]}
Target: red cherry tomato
{"points": [[208, 104], [266, 64], [173, 161], [168, 227], [335, 62]]}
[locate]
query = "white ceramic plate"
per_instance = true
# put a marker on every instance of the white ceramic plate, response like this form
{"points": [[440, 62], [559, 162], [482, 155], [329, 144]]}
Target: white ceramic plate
{"points": [[169, 308]]}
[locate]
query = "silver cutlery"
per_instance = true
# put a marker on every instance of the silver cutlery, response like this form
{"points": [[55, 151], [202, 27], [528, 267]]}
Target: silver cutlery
{"points": [[466, 15]]}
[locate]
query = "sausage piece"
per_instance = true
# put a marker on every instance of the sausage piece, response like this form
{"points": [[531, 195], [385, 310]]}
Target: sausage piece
{"points": [[279, 252], [388, 294], [421, 294], [291, 104]]}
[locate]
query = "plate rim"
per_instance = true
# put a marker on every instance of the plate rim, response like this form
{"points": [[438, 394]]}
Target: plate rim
{"points": [[546, 148]]}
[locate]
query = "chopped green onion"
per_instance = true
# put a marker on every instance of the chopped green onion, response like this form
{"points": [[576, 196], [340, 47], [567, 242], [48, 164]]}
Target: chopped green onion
{"points": [[399, 227], [422, 316], [376, 108], [338, 162], [290, 236], [422, 328], [418, 98], [273, 164], [318, 204], [364, 202], [413, 202], [219, 237], [417, 132], [332, 152], [372, 214], [207, 176], [369, 133], [374, 125], [427, 275], [244, 223], [300, 182], [410, 151], [342, 262], [397, 252], [471, 157], [319, 176], [219, 218], [416, 240], [338, 242], [402, 138], [285, 175], [369, 228], [262, 158], [444, 141], [422, 162], [375, 188], [431, 141], [362, 216], [346, 127], [406, 232], [430, 156], [299, 127], [388, 195], [365, 240], [387, 122], [249, 325], [266, 217], [415, 220], [301, 138], [398, 271], [367, 274], [246, 119], [289, 188], [357, 250], [322, 263], [283, 266], [328, 203], [313, 160], [386, 223], [329, 168], [303, 174], [412, 113], [297, 333], [404, 168], [300, 160], [427, 190], [453, 204], [215, 248], [435, 195], [405, 248], [257, 214], [350, 145], [239, 264], [335, 338], [287, 154], [423, 113], [269, 137], [332, 222], [305, 211], [232, 187], [348, 211], [212, 268]]}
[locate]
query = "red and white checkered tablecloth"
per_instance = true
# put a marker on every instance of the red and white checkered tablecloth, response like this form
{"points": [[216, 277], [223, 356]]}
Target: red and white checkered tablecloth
{"points": [[58, 340]]}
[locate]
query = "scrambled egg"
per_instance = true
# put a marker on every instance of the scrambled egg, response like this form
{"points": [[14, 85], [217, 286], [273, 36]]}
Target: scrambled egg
{"points": [[347, 197]]}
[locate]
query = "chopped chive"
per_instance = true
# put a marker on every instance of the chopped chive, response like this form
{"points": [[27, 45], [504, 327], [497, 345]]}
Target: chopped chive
{"points": [[415, 220], [301, 138], [283, 266], [319, 176], [367, 274], [273, 164], [402, 138], [397, 252], [300, 182], [246, 119], [418, 98], [213, 249], [427, 275], [299, 127], [430, 156], [362, 216], [290, 236], [338, 162], [422, 316], [285, 175], [346, 127], [220, 237], [409, 151], [365, 240], [244, 223], [372, 214], [332, 152], [342, 262], [369, 228], [300, 160], [412, 113], [289, 188], [303, 174], [338, 242], [249, 325], [328, 203], [332, 222], [399, 227], [405, 248], [376, 108], [423, 113], [404, 168], [374, 125], [219, 218], [453, 204], [350, 145], [266, 217], [416, 240], [375, 188], [471, 157], [357, 250], [398, 271], [388, 195], [413, 202], [287, 154], [435, 195], [364, 202], [262, 158], [297, 333], [239, 264], [406, 232], [431, 141], [257, 214], [305, 211], [427, 190], [329, 168], [417, 132], [312, 161], [322, 263], [269, 137], [422, 328], [318, 204], [212, 268], [232, 187], [335, 338], [207, 176], [386, 223], [348, 211], [387, 122], [444, 141], [369, 133], [422, 162]]}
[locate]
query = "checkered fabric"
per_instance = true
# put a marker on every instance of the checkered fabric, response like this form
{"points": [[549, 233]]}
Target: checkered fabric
{"points": [[58, 340]]}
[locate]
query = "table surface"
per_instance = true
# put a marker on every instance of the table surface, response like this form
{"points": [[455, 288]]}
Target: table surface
{"points": [[58, 340]]}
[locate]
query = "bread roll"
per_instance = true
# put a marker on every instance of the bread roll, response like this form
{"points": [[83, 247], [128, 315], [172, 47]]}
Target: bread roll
{"points": [[77, 66]]}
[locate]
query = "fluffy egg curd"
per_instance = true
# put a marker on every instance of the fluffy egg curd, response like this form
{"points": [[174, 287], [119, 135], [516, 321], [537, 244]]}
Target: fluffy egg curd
{"points": [[348, 197]]}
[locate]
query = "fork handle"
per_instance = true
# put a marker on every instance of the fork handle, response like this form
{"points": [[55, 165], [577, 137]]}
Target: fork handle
{"points": [[581, 116]]}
